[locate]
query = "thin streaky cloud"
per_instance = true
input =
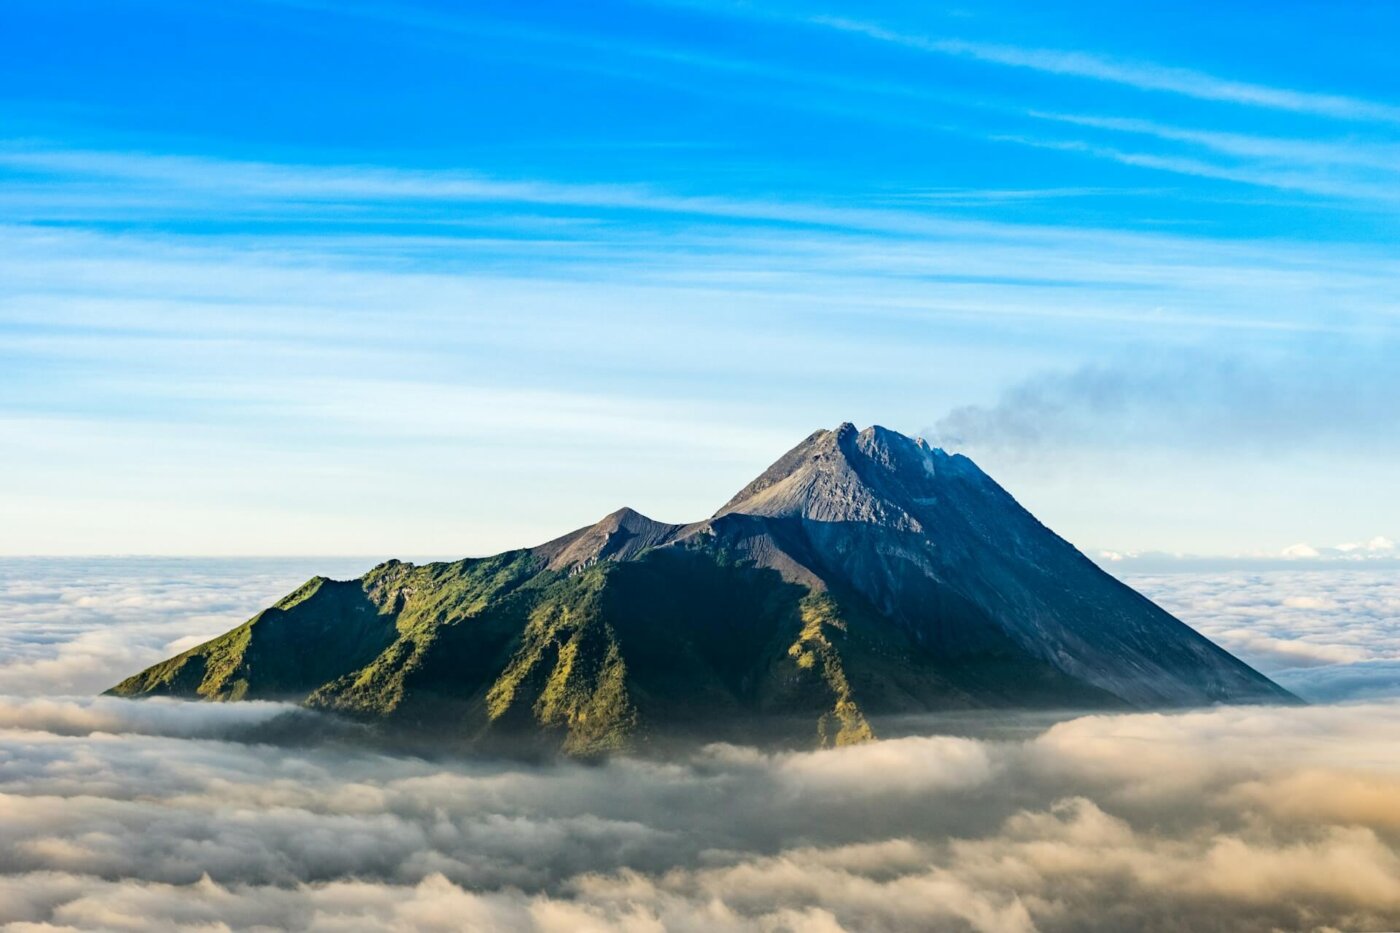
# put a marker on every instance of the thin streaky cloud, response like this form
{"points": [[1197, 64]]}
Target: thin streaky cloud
{"points": [[1262, 176], [302, 185], [1145, 76], [242, 187], [1385, 157], [994, 195], [370, 183], [243, 289]]}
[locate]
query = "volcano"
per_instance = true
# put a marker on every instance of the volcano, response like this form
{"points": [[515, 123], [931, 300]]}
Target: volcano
{"points": [[864, 574]]}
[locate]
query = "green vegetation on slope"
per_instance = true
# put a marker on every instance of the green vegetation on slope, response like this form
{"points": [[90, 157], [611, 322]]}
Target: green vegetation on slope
{"points": [[600, 658], [426, 601], [844, 724], [283, 652], [686, 642], [570, 662]]}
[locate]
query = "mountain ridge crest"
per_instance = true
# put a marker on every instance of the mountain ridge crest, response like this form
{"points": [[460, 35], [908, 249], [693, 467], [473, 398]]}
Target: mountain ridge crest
{"points": [[863, 573]]}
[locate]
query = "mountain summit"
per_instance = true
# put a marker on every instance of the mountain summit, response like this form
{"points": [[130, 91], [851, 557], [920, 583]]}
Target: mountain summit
{"points": [[864, 573]]}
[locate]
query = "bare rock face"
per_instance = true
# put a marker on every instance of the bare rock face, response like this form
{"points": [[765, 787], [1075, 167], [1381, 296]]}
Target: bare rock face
{"points": [[863, 573], [828, 478], [934, 543], [622, 535]]}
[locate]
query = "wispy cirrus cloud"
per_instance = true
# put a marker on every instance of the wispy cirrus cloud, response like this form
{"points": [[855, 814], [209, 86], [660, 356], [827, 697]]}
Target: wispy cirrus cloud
{"points": [[1140, 75], [99, 185], [1322, 152], [1277, 171], [1366, 172], [170, 181]]}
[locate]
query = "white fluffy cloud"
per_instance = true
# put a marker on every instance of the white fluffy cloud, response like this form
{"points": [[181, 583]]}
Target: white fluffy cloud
{"points": [[77, 626], [1223, 819], [1379, 547], [1326, 633]]}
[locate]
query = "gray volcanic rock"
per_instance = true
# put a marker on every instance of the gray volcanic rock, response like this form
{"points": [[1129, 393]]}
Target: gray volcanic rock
{"points": [[621, 535], [934, 543], [863, 573]]}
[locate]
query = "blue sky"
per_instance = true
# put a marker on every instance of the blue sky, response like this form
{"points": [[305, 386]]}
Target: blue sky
{"points": [[289, 276]]}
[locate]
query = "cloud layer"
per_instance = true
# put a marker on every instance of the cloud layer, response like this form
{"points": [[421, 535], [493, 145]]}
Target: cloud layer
{"points": [[1327, 634], [1229, 819], [122, 815], [79, 626]]}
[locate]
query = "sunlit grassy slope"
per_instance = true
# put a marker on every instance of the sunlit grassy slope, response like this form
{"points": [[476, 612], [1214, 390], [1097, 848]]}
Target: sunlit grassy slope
{"points": [[678, 642]]}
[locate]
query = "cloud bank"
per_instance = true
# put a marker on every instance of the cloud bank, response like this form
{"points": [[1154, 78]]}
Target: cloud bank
{"points": [[78, 626], [125, 815], [1327, 634], [1240, 819]]}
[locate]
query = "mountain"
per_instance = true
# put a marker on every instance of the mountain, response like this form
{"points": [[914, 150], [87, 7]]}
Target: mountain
{"points": [[863, 574]]}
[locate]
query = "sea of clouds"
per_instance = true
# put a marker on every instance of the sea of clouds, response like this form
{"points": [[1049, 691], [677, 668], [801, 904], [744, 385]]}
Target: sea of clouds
{"points": [[1327, 633], [122, 815]]}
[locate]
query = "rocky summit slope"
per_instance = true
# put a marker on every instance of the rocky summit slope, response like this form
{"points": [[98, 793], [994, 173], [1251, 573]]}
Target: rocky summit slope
{"points": [[864, 573]]}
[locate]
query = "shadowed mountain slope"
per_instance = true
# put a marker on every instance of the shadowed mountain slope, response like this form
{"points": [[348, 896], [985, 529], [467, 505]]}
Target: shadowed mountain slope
{"points": [[863, 574]]}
